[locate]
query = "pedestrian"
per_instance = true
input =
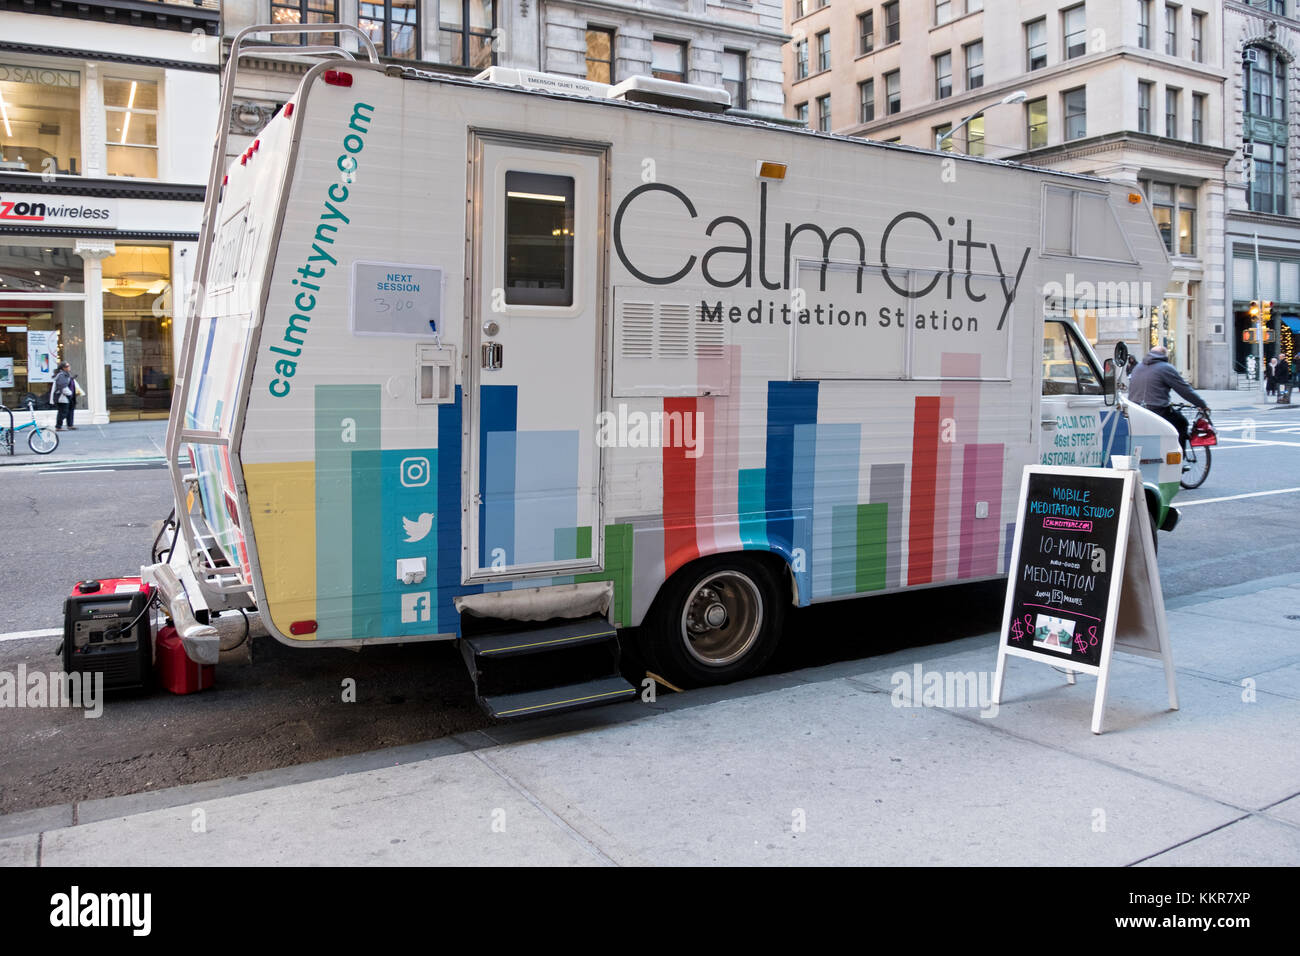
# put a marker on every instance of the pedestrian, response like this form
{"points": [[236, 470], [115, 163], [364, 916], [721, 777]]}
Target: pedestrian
{"points": [[1150, 386], [63, 394], [1270, 376]]}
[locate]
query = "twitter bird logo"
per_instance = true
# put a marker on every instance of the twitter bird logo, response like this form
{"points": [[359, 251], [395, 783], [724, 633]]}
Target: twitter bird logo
{"points": [[418, 529]]}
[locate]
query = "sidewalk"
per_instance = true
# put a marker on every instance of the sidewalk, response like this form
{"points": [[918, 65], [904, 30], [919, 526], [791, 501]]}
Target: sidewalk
{"points": [[1244, 400], [116, 441], [830, 765]]}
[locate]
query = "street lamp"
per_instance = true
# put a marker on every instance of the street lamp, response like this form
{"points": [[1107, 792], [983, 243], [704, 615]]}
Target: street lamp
{"points": [[1019, 96]]}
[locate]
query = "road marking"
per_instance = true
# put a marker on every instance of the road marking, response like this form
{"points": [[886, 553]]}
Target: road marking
{"points": [[28, 635], [74, 471], [1252, 494]]}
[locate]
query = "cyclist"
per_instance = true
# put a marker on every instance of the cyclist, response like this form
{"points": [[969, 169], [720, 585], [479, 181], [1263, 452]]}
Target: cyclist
{"points": [[1149, 387]]}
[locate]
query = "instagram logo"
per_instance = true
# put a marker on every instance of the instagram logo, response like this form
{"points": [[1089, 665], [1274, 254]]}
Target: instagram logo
{"points": [[415, 472]]}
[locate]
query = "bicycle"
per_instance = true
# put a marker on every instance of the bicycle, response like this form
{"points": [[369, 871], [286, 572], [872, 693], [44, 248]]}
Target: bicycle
{"points": [[40, 440], [1196, 456]]}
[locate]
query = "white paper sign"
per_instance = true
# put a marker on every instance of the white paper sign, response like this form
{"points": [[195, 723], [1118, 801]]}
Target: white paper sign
{"points": [[42, 356], [114, 356], [6, 373], [395, 299]]}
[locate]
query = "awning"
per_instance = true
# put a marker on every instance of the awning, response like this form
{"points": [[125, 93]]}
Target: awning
{"points": [[1292, 322]]}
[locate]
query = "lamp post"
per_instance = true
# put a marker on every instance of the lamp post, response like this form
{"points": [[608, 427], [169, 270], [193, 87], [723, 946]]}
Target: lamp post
{"points": [[1019, 96]]}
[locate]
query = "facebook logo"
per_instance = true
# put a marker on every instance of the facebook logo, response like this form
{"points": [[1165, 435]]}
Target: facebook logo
{"points": [[415, 607]]}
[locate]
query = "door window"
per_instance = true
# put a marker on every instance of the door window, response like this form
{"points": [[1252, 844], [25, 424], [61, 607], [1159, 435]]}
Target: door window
{"points": [[539, 239], [1067, 370]]}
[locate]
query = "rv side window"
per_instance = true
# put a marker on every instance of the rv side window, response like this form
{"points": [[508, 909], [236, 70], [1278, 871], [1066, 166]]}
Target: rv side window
{"points": [[1066, 368], [539, 239]]}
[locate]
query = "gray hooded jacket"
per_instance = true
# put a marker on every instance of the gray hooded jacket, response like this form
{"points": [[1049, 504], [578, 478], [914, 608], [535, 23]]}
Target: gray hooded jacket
{"points": [[1151, 381]]}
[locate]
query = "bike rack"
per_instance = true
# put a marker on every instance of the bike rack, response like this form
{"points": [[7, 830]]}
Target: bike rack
{"points": [[9, 435]]}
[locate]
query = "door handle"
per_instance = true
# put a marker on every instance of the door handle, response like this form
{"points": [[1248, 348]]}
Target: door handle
{"points": [[492, 354]]}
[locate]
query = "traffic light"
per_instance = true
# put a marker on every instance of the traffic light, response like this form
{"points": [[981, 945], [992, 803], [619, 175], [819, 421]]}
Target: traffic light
{"points": [[1253, 311], [1266, 310]]}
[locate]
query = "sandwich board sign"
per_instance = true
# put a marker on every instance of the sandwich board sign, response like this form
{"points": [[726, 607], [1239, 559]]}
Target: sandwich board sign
{"points": [[1084, 581]]}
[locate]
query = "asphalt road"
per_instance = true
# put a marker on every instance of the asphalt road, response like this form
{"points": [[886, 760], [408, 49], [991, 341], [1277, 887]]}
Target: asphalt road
{"points": [[276, 706]]}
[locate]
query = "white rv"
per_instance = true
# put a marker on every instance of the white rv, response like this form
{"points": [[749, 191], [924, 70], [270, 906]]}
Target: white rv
{"points": [[520, 361]]}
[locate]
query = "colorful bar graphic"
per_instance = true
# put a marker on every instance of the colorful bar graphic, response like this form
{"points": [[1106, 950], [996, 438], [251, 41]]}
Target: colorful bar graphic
{"points": [[679, 472], [788, 491], [834, 557], [347, 421], [981, 482], [498, 423], [889, 487], [925, 459]]}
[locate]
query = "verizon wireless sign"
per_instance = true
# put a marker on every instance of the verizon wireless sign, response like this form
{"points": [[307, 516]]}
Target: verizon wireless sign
{"points": [[34, 209]]}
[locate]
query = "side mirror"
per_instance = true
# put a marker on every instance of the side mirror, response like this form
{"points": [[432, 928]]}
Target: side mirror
{"points": [[1121, 353], [1108, 376]]}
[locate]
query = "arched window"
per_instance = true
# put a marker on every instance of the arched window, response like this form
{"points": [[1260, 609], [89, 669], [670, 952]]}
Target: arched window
{"points": [[1263, 85]]}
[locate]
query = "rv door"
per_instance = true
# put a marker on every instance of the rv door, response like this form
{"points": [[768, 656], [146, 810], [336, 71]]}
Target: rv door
{"points": [[537, 228]]}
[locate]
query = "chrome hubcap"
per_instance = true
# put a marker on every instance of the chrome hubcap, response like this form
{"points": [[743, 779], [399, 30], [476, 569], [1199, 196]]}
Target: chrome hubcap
{"points": [[722, 618]]}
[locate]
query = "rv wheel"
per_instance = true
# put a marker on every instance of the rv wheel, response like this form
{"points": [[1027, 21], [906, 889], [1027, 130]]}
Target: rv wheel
{"points": [[715, 622]]}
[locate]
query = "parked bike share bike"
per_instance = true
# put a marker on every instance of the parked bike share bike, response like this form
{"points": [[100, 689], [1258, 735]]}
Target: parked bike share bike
{"points": [[1196, 456], [40, 439]]}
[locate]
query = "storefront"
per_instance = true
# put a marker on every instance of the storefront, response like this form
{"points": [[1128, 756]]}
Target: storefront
{"points": [[102, 166]]}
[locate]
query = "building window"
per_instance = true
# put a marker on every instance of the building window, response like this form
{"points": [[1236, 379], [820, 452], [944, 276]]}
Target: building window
{"points": [[393, 26], [975, 137], [1036, 113], [600, 55], [866, 32], [1144, 106], [800, 9], [866, 101], [975, 65], [1144, 24], [1264, 98], [734, 69], [824, 113], [821, 3], [801, 60], [942, 11], [1171, 112], [943, 137], [943, 76], [823, 51], [131, 127], [1076, 113], [1171, 30], [890, 10], [974, 5], [302, 11], [1268, 188], [668, 60], [1198, 117], [1036, 44], [1172, 204], [1074, 29], [801, 113], [138, 343], [1264, 83], [893, 94], [1198, 37], [40, 120], [465, 29]]}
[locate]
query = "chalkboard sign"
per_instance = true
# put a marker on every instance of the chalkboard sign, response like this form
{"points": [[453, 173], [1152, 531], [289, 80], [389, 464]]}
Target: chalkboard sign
{"points": [[1061, 597], [1083, 580]]}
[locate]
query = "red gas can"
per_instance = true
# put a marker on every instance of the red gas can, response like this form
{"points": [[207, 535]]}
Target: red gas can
{"points": [[176, 672]]}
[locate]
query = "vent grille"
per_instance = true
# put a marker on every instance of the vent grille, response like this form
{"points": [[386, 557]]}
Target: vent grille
{"points": [[668, 330]]}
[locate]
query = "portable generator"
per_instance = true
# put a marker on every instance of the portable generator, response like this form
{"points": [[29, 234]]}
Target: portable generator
{"points": [[106, 629]]}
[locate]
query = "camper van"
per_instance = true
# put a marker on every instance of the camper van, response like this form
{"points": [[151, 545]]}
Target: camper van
{"points": [[522, 362]]}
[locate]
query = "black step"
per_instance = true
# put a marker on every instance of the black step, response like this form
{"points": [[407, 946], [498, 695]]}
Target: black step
{"points": [[553, 700], [587, 630]]}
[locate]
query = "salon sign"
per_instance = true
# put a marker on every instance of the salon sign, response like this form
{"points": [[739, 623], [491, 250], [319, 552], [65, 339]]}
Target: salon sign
{"points": [[39, 76]]}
